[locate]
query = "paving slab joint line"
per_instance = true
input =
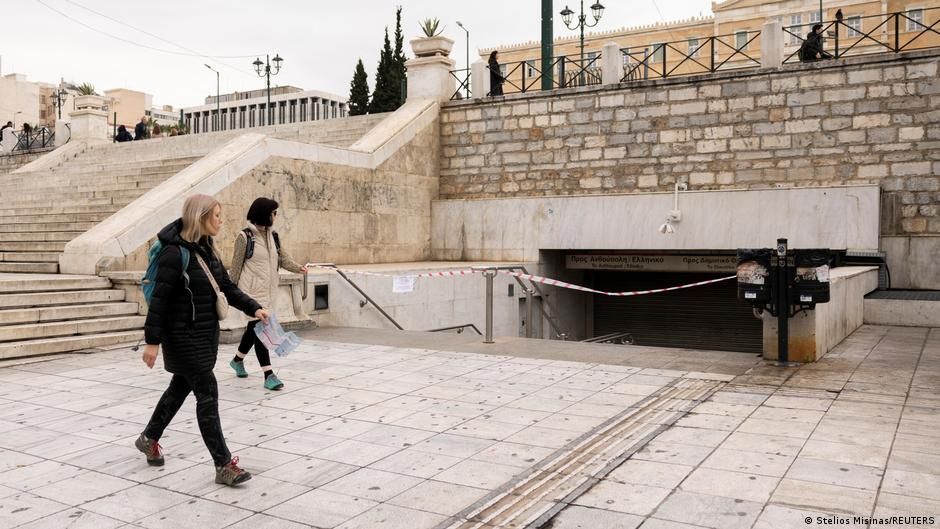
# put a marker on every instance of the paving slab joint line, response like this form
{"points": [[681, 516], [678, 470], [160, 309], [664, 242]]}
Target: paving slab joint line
{"points": [[682, 387]]}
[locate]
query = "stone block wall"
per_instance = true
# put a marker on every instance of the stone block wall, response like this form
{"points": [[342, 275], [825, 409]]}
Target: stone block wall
{"points": [[12, 162], [855, 121]]}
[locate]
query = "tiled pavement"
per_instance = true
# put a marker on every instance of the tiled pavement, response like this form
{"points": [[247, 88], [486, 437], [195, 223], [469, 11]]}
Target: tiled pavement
{"points": [[369, 436]]}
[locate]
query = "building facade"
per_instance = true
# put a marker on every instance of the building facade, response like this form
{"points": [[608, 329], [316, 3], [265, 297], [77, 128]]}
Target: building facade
{"points": [[729, 38], [241, 110], [19, 100]]}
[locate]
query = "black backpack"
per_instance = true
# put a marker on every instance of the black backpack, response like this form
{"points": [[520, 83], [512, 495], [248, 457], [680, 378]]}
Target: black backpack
{"points": [[250, 248]]}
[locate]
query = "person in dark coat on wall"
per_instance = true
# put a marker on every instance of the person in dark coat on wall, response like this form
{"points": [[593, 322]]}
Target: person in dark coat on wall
{"points": [[812, 48], [183, 318], [123, 135], [140, 130], [496, 76]]}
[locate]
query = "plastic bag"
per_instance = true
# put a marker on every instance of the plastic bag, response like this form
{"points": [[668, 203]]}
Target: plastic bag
{"points": [[275, 338]]}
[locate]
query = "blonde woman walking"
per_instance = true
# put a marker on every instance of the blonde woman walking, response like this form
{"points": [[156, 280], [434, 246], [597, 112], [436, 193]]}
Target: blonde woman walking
{"points": [[256, 260], [183, 318]]}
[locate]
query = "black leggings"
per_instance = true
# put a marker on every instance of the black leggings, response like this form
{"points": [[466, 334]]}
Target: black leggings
{"points": [[204, 386], [249, 339]]}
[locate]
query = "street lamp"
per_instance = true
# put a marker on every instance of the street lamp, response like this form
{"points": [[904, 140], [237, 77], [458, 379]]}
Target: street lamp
{"points": [[263, 69], [468, 57], [59, 96], [597, 10], [218, 110]]}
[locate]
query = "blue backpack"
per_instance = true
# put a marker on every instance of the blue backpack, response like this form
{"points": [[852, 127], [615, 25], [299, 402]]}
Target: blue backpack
{"points": [[150, 277]]}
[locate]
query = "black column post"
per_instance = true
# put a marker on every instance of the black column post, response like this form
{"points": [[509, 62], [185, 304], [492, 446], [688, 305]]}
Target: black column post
{"points": [[783, 302]]}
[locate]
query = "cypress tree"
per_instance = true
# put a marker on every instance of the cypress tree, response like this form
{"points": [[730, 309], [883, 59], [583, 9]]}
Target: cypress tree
{"points": [[359, 91], [382, 95], [399, 59]]}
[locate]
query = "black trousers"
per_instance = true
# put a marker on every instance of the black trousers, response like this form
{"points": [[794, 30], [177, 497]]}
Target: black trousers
{"points": [[206, 389], [249, 339]]}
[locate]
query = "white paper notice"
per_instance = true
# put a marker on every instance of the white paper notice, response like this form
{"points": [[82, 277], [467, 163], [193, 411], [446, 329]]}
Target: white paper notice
{"points": [[403, 284]]}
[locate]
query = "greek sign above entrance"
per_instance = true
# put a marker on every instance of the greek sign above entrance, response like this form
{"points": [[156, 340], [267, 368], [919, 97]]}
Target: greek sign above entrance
{"points": [[654, 263]]}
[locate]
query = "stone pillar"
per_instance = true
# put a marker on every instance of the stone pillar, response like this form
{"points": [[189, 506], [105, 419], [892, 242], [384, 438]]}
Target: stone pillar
{"points": [[62, 132], [611, 64], [8, 141], [429, 74], [771, 44], [479, 80], [89, 120]]}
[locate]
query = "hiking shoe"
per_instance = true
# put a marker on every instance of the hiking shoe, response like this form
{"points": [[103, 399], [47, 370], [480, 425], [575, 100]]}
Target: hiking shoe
{"points": [[273, 383], [151, 449], [239, 368], [230, 474]]}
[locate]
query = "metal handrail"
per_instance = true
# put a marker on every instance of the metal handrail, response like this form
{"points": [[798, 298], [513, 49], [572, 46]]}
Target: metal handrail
{"points": [[464, 85], [458, 328], [886, 25], [587, 71], [618, 338], [660, 65], [545, 303], [26, 141], [362, 292]]}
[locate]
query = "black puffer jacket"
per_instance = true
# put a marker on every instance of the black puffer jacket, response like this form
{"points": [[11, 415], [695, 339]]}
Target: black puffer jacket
{"points": [[184, 321]]}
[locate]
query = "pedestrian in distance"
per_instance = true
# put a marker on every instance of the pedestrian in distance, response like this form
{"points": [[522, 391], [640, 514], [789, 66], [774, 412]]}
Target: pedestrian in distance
{"points": [[3, 129], [123, 135], [140, 130], [496, 76], [186, 305], [257, 257], [812, 48]]}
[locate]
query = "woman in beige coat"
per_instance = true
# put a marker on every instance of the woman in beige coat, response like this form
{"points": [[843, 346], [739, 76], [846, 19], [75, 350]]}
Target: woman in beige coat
{"points": [[255, 263]]}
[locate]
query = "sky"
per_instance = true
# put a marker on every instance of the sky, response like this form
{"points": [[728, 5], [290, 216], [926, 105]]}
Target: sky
{"points": [[161, 47]]}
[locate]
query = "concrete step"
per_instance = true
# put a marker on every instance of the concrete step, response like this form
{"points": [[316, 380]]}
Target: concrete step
{"points": [[43, 232], [60, 297], [39, 221], [66, 312], [31, 246], [30, 257], [51, 283], [903, 308], [29, 268], [67, 343], [79, 182], [10, 333], [100, 207]]}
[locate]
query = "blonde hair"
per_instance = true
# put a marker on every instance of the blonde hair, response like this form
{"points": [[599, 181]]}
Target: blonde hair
{"points": [[196, 211]]}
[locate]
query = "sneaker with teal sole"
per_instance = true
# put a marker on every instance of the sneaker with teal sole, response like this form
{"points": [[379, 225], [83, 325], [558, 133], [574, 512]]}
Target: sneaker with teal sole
{"points": [[239, 368], [273, 383]]}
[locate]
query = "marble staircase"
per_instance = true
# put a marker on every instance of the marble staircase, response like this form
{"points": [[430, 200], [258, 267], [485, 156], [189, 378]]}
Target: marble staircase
{"points": [[42, 312]]}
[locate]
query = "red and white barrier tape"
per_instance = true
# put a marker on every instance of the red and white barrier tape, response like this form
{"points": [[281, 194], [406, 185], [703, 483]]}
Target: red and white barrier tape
{"points": [[444, 273], [562, 284], [530, 277]]}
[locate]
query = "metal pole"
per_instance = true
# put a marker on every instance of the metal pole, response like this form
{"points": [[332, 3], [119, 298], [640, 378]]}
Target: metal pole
{"points": [[820, 11], [547, 45], [218, 103], [783, 303], [582, 19], [489, 274], [267, 71], [530, 313]]}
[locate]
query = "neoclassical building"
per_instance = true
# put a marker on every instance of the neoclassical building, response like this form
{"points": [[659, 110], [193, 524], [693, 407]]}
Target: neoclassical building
{"points": [[729, 38], [241, 110]]}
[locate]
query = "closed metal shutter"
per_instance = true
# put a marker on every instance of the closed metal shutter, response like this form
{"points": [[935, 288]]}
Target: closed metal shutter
{"points": [[706, 317]]}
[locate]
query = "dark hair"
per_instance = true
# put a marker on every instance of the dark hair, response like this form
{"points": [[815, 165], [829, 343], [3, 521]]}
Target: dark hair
{"points": [[493, 55], [817, 27], [122, 128], [260, 211]]}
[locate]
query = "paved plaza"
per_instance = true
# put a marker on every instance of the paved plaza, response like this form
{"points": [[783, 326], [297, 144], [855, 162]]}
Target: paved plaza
{"points": [[410, 436]]}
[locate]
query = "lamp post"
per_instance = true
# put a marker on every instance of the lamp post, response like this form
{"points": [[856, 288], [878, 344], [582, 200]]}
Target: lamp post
{"points": [[264, 69], [58, 99], [468, 57], [597, 10], [218, 110]]}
